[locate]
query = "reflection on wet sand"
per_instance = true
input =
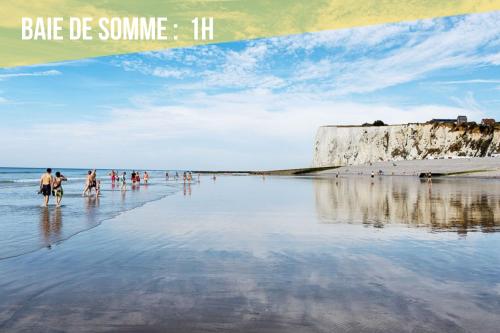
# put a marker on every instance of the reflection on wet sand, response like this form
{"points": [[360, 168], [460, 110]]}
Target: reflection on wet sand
{"points": [[260, 260], [50, 225], [455, 204]]}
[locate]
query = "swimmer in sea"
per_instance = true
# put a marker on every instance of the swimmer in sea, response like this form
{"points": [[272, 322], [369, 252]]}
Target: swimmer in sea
{"points": [[46, 186], [57, 187], [146, 177]]}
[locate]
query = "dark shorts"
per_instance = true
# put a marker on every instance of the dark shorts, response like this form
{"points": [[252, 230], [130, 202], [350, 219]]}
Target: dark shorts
{"points": [[46, 190]]}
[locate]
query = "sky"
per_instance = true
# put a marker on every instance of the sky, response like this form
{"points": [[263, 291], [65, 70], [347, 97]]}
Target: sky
{"points": [[247, 105]]}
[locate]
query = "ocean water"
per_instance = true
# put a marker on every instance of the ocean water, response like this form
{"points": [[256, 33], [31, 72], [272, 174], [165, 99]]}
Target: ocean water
{"points": [[273, 254], [27, 226]]}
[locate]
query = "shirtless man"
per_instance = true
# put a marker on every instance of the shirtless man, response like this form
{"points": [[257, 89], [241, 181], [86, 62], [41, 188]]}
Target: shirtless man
{"points": [[46, 186], [89, 183]]}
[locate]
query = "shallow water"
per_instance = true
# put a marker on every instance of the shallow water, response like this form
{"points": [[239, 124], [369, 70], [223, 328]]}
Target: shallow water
{"points": [[276, 254], [21, 211]]}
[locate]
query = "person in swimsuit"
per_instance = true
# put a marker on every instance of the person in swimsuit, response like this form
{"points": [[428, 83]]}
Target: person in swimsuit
{"points": [[57, 187], [98, 188], [146, 177], [88, 183], [137, 177], [132, 178], [46, 186], [124, 180]]}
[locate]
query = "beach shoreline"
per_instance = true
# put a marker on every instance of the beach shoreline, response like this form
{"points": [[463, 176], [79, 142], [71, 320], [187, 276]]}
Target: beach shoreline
{"points": [[473, 167], [477, 167]]}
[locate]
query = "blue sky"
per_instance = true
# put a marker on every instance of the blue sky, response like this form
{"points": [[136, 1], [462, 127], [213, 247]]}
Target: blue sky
{"points": [[250, 104]]}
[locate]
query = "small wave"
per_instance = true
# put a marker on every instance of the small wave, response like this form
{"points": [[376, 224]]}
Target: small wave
{"points": [[34, 180]]}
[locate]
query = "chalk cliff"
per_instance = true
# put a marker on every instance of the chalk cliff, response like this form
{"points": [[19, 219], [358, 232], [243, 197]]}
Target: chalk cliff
{"points": [[351, 145]]}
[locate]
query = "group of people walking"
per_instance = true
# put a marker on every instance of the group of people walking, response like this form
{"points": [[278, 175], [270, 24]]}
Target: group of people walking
{"points": [[51, 185]]}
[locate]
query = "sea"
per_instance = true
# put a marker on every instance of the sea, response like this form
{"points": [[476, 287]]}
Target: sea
{"points": [[21, 205]]}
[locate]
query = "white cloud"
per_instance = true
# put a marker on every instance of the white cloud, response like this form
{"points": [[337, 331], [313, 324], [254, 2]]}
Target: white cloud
{"points": [[44, 73], [169, 72], [475, 81], [255, 129], [356, 60], [467, 102]]}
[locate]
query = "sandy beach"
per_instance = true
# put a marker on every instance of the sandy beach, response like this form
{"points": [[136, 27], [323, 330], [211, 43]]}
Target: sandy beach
{"points": [[482, 167], [281, 254]]}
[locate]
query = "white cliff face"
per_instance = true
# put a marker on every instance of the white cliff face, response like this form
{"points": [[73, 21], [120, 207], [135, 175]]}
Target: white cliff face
{"points": [[352, 145]]}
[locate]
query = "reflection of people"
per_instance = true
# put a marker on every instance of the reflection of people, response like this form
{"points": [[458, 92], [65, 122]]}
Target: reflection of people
{"points": [[57, 187], [187, 189], [45, 225], [46, 186], [50, 227]]}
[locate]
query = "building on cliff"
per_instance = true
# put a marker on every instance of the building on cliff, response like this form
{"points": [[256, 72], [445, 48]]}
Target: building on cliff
{"points": [[459, 121], [488, 122], [353, 145]]}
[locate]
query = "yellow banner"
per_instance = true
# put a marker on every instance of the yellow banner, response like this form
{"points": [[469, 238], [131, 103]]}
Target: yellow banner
{"points": [[125, 26]]}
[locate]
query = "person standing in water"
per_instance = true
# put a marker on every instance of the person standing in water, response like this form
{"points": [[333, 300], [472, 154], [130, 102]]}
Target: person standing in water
{"points": [[124, 181], [113, 176], [146, 177], [90, 183], [57, 187], [132, 177], [98, 188], [46, 186]]}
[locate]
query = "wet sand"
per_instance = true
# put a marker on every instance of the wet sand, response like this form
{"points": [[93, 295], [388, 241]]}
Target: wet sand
{"points": [[489, 167], [277, 255]]}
